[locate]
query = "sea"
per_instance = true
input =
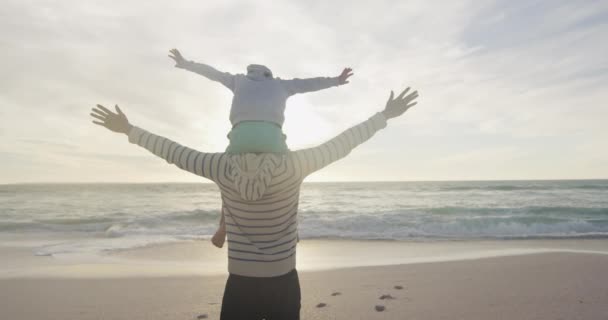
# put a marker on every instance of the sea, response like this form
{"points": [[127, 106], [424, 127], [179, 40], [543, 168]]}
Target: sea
{"points": [[92, 218]]}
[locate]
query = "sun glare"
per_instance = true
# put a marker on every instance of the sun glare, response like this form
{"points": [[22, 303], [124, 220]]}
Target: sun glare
{"points": [[304, 127]]}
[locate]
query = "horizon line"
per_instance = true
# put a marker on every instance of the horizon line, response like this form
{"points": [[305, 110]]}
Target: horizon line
{"points": [[336, 181]]}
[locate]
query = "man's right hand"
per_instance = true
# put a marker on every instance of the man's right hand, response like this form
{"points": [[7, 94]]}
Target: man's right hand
{"points": [[116, 122], [398, 106], [177, 56]]}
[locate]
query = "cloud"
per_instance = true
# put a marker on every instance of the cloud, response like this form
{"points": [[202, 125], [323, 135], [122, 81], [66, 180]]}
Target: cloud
{"points": [[497, 79]]}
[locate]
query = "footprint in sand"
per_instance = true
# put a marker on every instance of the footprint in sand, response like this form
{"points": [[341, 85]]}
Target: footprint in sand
{"points": [[336, 294], [380, 308], [399, 287], [387, 297], [202, 316], [321, 305]]}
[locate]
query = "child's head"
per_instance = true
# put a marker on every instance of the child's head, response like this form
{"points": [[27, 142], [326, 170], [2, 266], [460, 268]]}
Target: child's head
{"points": [[258, 72]]}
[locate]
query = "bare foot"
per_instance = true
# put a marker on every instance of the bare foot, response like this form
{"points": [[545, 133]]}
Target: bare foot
{"points": [[219, 238]]}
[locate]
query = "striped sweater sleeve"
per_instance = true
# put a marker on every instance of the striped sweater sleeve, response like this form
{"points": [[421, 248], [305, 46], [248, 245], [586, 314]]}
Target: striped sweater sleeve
{"points": [[208, 165], [313, 159]]}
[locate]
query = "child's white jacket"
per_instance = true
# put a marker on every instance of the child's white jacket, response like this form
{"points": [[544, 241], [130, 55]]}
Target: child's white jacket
{"points": [[258, 97]]}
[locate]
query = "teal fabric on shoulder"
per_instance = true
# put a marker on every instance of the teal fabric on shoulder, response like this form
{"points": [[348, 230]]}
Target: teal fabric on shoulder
{"points": [[257, 137]]}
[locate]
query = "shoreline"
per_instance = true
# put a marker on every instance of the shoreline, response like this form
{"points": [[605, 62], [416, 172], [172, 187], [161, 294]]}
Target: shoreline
{"points": [[200, 258]]}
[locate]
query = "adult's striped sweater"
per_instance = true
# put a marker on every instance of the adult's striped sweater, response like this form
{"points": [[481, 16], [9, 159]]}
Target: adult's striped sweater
{"points": [[260, 193]]}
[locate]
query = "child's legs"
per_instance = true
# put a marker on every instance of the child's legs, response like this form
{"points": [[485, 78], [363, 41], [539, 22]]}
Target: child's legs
{"points": [[219, 237], [222, 221], [256, 137]]}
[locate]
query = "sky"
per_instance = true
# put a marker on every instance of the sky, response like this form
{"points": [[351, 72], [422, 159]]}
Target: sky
{"points": [[508, 89]]}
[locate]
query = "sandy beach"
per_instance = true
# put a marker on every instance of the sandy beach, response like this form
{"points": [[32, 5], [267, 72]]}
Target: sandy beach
{"points": [[549, 285]]}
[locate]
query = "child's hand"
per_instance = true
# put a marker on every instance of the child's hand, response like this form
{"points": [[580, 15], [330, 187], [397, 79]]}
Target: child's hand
{"points": [[175, 55], [346, 73]]}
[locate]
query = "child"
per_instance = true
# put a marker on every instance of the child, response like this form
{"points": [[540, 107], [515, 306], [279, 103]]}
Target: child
{"points": [[258, 107]]}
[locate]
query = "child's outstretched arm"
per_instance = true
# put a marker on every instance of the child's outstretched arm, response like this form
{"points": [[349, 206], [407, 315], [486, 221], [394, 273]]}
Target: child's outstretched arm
{"points": [[207, 71], [315, 84]]}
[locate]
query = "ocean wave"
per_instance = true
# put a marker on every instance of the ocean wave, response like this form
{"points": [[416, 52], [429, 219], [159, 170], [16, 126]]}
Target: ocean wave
{"points": [[123, 215], [165, 222], [510, 211], [388, 218], [396, 228]]}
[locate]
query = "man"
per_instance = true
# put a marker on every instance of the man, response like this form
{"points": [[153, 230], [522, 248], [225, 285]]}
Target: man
{"points": [[260, 194]]}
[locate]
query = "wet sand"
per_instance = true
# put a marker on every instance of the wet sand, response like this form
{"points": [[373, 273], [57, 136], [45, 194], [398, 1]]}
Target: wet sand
{"points": [[533, 286]]}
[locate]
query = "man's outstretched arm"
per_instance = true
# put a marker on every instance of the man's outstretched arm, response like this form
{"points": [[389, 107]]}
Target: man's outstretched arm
{"points": [[313, 159], [207, 71], [295, 86], [207, 165]]}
